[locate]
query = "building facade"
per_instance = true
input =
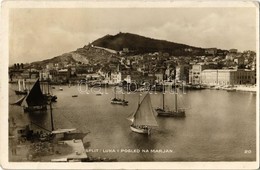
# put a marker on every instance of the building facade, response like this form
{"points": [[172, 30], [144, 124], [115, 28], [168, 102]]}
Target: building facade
{"points": [[227, 77], [195, 73], [182, 73]]}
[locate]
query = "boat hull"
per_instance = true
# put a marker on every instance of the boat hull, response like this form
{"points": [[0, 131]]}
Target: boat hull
{"points": [[49, 97], [163, 113], [231, 90], [140, 129], [20, 92], [35, 108], [119, 103]]}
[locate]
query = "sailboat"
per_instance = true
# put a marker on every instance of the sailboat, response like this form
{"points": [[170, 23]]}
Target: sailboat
{"points": [[143, 118], [20, 91], [48, 96], [53, 135], [177, 112], [119, 101], [34, 100]]}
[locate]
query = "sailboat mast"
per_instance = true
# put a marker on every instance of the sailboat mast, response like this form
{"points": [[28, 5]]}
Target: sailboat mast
{"points": [[139, 100], [43, 87], [52, 123], [163, 96], [48, 84], [176, 102]]}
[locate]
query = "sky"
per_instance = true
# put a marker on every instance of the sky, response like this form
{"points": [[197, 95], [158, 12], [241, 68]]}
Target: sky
{"points": [[38, 34]]}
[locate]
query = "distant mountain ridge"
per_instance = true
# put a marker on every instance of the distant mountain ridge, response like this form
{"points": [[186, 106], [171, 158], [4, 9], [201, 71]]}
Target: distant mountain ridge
{"points": [[101, 50], [140, 44]]}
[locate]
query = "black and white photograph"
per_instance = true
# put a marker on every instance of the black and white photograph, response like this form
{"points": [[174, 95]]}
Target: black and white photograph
{"points": [[104, 83]]}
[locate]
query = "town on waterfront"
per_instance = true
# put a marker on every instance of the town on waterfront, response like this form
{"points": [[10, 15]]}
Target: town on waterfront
{"points": [[124, 75], [131, 98]]}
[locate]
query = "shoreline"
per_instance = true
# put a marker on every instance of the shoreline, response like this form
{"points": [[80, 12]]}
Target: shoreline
{"points": [[244, 88]]}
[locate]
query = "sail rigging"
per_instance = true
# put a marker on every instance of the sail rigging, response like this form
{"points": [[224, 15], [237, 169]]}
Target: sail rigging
{"points": [[176, 112], [19, 101], [34, 97], [144, 115]]}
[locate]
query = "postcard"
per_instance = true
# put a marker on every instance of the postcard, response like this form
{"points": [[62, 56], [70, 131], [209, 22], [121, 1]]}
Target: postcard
{"points": [[130, 85]]}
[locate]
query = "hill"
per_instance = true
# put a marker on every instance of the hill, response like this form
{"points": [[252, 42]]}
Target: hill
{"points": [[139, 44], [106, 49]]}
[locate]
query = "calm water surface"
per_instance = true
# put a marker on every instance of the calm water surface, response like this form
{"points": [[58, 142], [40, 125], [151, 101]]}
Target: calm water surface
{"points": [[219, 125]]}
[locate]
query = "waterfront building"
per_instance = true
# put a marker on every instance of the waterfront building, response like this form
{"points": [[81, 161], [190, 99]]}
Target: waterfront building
{"points": [[113, 78], [93, 76], [61, 76], [159, 76], [195, 73], [169, 73], [182, 73], [227, 77]]}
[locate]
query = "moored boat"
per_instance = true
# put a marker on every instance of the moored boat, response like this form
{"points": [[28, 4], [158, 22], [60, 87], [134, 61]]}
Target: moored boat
{"points": [[177, 112], [119, 101], [20, 91], [35, 100], [231, 90]]}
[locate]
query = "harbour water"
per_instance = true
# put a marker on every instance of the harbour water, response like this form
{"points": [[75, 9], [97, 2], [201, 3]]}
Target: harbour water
{"points": [[219, 125]]}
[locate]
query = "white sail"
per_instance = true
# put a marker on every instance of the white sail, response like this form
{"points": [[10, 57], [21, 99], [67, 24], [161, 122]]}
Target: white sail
{"points": [[144, 115], [24, 88], [131, 117], [19, 85]]}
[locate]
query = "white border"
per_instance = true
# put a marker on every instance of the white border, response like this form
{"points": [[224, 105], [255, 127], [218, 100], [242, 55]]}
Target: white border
{"points": [[4, 53]]}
